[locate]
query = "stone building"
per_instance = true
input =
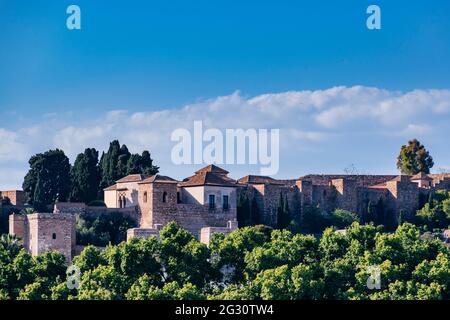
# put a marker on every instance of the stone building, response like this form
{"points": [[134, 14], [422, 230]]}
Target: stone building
{"points": [[349, 192], [206, 199], [41, 232], [15, 197], [206, 203]]}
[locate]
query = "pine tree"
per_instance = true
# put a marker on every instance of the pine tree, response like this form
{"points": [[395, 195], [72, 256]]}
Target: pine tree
{"points": [[85, 177], [414, 158], [243, 210], [254, 216], [110, 165], [371, 212], [147, 166], [283, 215], [134, 164]]}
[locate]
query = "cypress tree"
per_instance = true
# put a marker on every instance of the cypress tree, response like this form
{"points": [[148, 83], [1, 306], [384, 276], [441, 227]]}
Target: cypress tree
{"points": [[85, 177]]}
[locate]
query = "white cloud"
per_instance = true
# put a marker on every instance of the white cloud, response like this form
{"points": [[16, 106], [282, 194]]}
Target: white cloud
{"points": [[10, 147], [318, 121]]}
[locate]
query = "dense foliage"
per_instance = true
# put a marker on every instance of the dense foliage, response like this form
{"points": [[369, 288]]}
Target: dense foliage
{"points": [[85, 176], [51, 178], [436, 213], [414, 158], [103, 229], [118, 162], [48, 179], [315, 220], [250, 263]]}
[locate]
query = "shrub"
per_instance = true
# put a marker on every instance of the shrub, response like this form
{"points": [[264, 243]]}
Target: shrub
{"points": [[97, 203], [103, 229]]}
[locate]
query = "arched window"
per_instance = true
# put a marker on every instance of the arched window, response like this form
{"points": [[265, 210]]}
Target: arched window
{"points": [[145, 196], [120, 202], [54, 236], [124, 201], [164, 197]]}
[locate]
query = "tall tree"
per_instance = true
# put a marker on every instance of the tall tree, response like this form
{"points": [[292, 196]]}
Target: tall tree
{"points": [[109, 165], [414, 158], [141, 164], [147, 166], [85, 177], [124, 156], [283, 214], [134, 164], [118, 162], [48, 179]]}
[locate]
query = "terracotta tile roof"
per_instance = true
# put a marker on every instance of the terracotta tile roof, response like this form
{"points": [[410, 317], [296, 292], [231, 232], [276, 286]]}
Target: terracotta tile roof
{"points": [[111, 188], [421, 176], [212, 168], [158, 178], [401, 178], [208, 178], [251, 179], [378, 186], [132, 178]]}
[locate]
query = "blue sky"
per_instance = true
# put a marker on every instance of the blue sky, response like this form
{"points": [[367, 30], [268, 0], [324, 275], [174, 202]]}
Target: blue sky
{"points": [[142, 57]]}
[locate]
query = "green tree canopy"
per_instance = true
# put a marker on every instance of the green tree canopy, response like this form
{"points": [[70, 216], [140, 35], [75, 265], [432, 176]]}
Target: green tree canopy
{"points": [[48, 179], [414, 158], [118, 162], [85, 177]]}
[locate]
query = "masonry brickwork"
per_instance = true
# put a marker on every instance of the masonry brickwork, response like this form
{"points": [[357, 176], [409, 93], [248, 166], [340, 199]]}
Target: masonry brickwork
{"points": [[15, 197], [206, 203], [349, 192], [42, 232]]}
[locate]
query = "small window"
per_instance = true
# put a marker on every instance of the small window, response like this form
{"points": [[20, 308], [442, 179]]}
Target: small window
{"points": [[145, 196], [212, 201], [178, 197], [54, 236], [225, 204], [164, 197]]}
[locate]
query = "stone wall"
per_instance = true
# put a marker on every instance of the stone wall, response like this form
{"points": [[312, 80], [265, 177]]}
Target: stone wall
{"points": [[18, 225], [360, 180], [442, 184], [267, 197], [16, 197], [405, 195], [207, 233], [69, 207], [42, 232], [194, 217], [80, 208], [143, 233]]}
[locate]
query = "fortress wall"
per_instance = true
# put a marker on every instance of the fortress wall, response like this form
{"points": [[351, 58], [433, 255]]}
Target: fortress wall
{"points": [[42, 232], [17, 197], [443, 184], [194, 217], [361, 180]]}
